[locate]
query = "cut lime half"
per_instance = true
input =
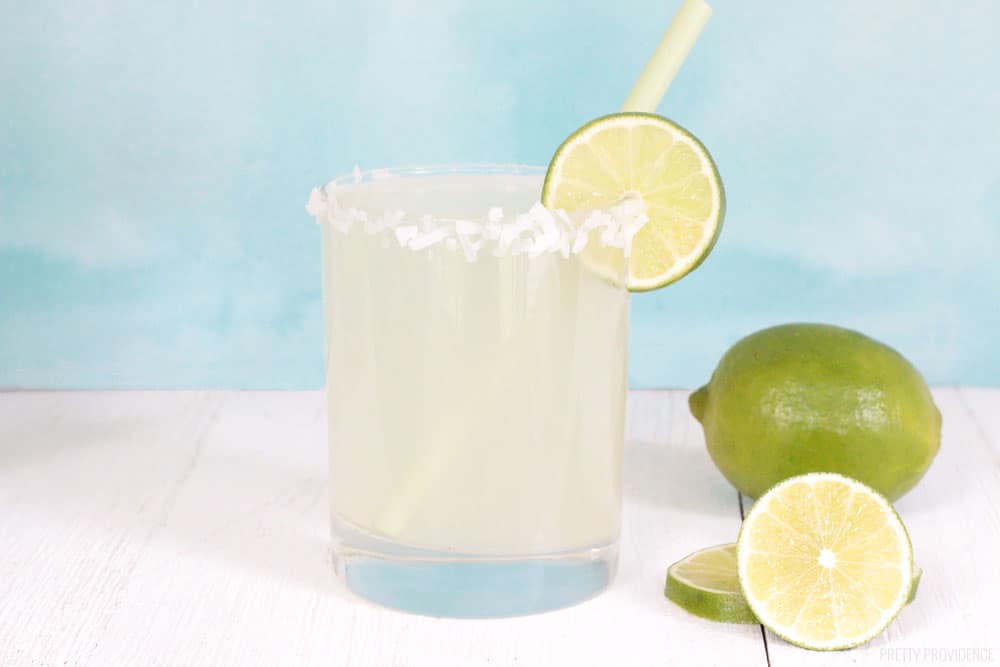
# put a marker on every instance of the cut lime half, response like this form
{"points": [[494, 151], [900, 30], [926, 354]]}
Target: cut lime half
{"points": [[648, 157], [824, 561]]}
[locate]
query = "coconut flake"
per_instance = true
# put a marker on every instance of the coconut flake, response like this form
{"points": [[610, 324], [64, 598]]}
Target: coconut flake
{"points": [[534, 232]]}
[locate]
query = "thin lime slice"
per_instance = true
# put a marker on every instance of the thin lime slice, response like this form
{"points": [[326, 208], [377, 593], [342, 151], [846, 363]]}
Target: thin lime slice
{"points": [[640, 155], [914, 586], [705, 583], [824, 561]]}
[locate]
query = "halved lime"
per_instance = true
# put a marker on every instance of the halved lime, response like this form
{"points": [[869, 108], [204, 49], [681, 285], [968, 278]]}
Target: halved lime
{"points": [[705, 583], [644, 156], [824, 561]]}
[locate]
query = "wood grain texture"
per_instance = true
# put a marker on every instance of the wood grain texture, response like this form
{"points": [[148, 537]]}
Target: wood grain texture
{"points": [[190, 528]]}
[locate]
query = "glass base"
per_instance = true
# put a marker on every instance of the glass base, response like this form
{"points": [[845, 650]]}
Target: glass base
{"points": [[436, 583]]}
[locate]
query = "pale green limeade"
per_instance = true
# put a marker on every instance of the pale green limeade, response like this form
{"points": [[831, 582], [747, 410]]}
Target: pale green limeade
{"points": [[474, 406], [476, 376]]}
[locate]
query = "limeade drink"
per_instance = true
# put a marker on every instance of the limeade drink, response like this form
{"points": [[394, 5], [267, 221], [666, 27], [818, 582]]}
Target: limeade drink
{"points": [[476, 402], [476, 373]]}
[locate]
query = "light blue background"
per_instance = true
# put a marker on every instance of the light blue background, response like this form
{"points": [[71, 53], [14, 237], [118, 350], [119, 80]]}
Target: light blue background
{"points": [[155, 158]]}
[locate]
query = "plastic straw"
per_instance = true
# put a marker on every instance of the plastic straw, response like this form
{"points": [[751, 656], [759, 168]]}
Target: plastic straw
{"points": [[662, 67]]}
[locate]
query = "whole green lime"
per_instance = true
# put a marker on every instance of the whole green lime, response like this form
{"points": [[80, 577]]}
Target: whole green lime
{"points": [[801, 398]]}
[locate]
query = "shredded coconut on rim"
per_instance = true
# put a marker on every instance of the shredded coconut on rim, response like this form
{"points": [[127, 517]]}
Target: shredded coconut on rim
{"points": [[537, 231]]}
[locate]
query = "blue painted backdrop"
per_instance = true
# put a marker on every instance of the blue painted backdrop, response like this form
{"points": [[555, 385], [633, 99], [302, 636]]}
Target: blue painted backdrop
{"points": [[155, 158]]}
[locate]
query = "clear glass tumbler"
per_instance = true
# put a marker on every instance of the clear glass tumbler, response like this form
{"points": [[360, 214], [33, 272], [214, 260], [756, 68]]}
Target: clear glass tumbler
{"points": [[475, 381]]}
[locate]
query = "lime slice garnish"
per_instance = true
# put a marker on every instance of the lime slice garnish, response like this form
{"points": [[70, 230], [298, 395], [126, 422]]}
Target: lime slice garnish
{"points": [[644, 156], [824, 561], [705, 583]]}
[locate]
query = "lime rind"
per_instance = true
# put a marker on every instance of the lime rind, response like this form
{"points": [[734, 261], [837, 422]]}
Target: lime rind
{"points": [[914, 585]]}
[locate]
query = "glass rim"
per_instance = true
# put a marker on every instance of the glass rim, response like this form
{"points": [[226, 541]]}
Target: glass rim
{"points": [[533, 230], [359, 176]]}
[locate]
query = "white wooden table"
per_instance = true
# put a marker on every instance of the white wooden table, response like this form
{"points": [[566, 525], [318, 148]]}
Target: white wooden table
{"points": [[190, 528]]}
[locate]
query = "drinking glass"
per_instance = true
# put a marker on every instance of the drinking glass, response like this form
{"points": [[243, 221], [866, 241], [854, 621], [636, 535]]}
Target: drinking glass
{"points": [[475, 386]]}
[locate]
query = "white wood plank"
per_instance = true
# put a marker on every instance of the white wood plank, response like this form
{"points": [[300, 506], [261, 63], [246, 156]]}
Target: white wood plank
{"points": [[953, 517], [85, 481], [984, 406], [161, 528]]}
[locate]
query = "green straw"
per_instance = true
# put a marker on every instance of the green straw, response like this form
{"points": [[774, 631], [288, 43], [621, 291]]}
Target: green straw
{"points": [[662, 67]]}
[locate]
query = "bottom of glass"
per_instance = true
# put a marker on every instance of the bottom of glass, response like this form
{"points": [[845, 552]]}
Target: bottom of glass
{"points": [[433, 583]]}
